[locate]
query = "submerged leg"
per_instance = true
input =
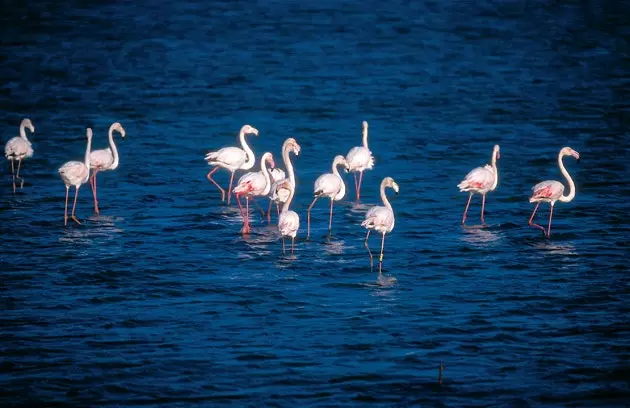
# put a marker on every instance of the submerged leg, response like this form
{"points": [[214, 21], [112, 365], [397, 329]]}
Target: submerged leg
{"points": [[308, 217], [466, 210], [292, 244], [365, 243], [531, 219], [246, 229], [356, 185], [359, 189], [282, 245], [209, 176], [94, 193], [269, 212], [74, 206], [230, 187], [549, 226], [380, 261], [483, 206], [17, 176], [330, 219], [13, 175], [65, 213]]}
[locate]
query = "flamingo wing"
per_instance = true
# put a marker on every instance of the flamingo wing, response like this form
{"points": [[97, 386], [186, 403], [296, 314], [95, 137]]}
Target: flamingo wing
{"points": [[228, 156], [549, 189], [74, 173], [101, 159], [379, 218], [479, 178], [18, 148], [252, 183], [288, 223], [327, 184], [360, 158]]}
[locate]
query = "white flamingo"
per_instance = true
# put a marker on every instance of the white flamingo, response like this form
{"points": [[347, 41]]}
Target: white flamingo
{"points": [[381, 219], [481, 180], [550, 191], [104, 159], [75, 173], [253, 184], [359, 159], [276, 175], [288, 221], [232, 159], [329, 185], [19, 148], [279, 193]]}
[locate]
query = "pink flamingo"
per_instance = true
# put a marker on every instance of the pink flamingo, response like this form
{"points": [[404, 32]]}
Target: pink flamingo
{"points": [[551, 191], [19, 148], [105, 159], [329, 185], [276, 176], [232, 159], [253, 184], [359, 159], [75, 173], [279, 193], [288, 221], [481, 180], [381, 219]]}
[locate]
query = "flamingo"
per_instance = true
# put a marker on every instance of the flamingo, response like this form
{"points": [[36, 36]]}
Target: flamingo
{"points": [[288, 221], [381, 219], [279, 193], [19, 148], [75, 173], [481, 180], [276, 175], [359, 159], [551, 191], [105, 159], [253, 184], [232, 159], [329, 185]]}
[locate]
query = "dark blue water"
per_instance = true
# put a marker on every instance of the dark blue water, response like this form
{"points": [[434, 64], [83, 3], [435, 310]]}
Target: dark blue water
{"points": [[159, 301]]}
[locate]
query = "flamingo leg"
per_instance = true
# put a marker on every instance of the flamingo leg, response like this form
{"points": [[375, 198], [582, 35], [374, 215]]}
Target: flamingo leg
{"points": [[230, 187], [359, 188], [466, 210], [549, 226], [292, 244], [483, 206], [13, 175], [356, 185], [240, 206], [246, 228], [330, 219], [308, 228], [209, 176], [282, 245], [17, 176], [65, 213], [269, 212], [380, 260], [262, 212], [76, 194], [93, 184], [365, 243], [531, 219], [278, 209]]}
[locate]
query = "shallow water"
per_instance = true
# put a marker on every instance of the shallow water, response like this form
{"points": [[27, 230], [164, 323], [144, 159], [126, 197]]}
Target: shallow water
{"points": [[160, 301]]}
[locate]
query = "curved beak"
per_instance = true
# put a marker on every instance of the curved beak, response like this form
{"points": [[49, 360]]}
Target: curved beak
{"points": [[576, 155], [498, 155]]}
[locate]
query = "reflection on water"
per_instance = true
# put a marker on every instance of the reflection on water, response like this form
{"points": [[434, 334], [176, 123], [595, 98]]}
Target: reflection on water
{"points": [[334, 246], [555, 248], [478, 235]]}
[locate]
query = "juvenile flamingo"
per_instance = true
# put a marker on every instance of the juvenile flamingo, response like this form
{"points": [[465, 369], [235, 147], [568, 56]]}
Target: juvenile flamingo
{"points": [[381, 219], [288, 221], [105, 159], [359, 159], [279, 193], [75, 173], [551, 191], [481, 180], [19, 148], [232, 159], [253, 184], [329, 185]]}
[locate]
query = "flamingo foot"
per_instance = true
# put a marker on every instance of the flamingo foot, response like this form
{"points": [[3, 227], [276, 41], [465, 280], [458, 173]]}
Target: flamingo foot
{"points": [[540, 228], [75, 219], [96, 210], [245, 229]]}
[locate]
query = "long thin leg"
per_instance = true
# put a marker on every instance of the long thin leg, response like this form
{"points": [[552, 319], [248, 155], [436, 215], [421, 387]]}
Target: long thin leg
{"points": [[330, 219], [531, 219], [76, 194], [360, 181], [365, 243], [292, 244], [230, 187], [278, 209], [308, 217], [94, 192], [380, 262], [13, 175], [549, 226], [209, 176], [240, 206], [466, 209], [17, 176], [483, 206], [269, 212], [246, 228], [356, 185], [65, 212], [282, 245]]}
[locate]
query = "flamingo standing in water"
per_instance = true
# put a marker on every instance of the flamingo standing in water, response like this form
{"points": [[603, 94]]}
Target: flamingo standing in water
{"points": [[288, 221], [232, 159], [75, 173], [253, 184], [359, 159], [19, 148], [279, 193], [381, 219], [105, 159], [276, 175], [481, 180], [551, 191], [329, 185]]}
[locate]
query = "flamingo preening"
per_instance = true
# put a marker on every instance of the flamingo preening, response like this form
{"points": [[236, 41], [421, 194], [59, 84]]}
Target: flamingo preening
{"points": [[75, 173], [19, 148], [481, 180], [329, 185], [105, 159], [288, 221], [279, 193], [232, 159], [253, 184], [381, 218], [359, 159], [551, 191]]}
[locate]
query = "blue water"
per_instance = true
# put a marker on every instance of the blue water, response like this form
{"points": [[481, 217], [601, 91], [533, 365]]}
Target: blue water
{"points": [[159, 301]]}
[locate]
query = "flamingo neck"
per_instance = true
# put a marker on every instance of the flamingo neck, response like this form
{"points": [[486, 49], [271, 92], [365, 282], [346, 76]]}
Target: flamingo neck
{"points": [[287, 203], [384, 199], [265, 172], [365, 137], [23, 131], [565, 173], [112, 146], [87, 153], [251, 159], [495, 170], [288, 165]]}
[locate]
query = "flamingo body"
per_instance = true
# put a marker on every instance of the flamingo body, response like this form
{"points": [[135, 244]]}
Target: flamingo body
{"points": [[481, 180], [74, 173], [253, 184], [288, 223], [547, 191], [381, 218], [330, 185], [19, 148], [359, 159], [103, 159]]}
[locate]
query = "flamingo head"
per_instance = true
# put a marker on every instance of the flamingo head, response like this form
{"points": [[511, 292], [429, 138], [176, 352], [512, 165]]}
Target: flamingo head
{"points": [[247, 129], [268, 157], [88, 133], [342, 160], [389, 182], [567, 151], [497, 150], [29, 125], [118, 128], [365, 125], [292, 146]]}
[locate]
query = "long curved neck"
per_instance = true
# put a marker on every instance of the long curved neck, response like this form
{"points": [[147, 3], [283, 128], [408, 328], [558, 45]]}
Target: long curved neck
{"points": [[384, 198], [112, 146], [87, 152], [23, 131], [265, 172], [289, 166], [334, 168], [365, 137], [565, 173], [251, 159], [495, 170], [287, 203]]}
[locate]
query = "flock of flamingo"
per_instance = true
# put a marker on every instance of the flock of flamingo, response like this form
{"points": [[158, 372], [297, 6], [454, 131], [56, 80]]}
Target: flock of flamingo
{"points": [[279, 186]]}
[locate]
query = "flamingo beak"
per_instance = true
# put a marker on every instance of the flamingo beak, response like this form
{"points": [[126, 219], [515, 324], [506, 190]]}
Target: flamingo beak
{"points": [[576, 155], [498, 155]]}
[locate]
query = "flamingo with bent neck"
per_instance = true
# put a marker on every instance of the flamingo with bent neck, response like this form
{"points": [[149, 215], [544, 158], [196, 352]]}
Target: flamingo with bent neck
{"points": [[551, 191], [329, 185], [19, 148], [279, 193], [75, 173], [381, 218], [359, 159], [288, 221], [481, 180], [105, 159], [232, 159], [252, 185]]}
